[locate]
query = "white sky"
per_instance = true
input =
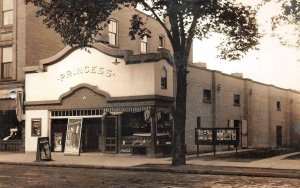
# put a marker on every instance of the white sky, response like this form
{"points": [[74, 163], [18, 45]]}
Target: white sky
{"points": [[271, 64]]}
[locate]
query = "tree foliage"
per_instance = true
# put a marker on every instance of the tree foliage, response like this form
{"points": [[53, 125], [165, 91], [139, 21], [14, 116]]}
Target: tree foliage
{"points": [[80, 21], [289, 16]]}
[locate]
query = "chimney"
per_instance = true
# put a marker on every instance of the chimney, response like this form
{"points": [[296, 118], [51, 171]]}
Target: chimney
{"points": [[237, 74]]}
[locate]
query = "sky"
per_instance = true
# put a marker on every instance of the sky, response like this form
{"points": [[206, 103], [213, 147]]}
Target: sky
{"points": [[272, 64]]}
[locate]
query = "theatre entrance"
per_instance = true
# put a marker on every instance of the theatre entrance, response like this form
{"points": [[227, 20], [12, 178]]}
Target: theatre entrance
{"points": [[91, 135], [92, 139]]}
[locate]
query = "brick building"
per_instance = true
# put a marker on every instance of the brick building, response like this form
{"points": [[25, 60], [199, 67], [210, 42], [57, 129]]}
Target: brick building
{"points": [[120, 91], [267, 116]]}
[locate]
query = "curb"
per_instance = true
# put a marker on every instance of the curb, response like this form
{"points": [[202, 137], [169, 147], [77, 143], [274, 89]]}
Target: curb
{"points": [[240, 171]]}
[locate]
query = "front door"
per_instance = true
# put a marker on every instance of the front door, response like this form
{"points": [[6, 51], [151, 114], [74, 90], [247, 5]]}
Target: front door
{"points": [[111, 135], [279, 136]]}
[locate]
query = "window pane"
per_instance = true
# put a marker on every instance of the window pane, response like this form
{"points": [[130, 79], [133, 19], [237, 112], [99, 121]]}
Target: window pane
{"points": [[7, 5], [112, 38], [8, 17], [143, 47], [112, 26], [144, 39], [236, 100], [7, 54], [163, 72], [161, 41]]}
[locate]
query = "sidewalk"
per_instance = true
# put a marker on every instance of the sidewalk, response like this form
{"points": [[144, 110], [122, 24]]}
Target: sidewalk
{"points": [[270, 167]]}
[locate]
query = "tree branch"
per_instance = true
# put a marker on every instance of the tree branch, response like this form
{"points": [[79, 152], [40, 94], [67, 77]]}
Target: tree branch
{"points": [[159, 20]]}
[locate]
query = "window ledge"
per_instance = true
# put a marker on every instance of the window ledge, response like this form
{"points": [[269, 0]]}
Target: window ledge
{"points": [[237, 105], [6, 79], [6, 28], [207, 101], [112, 46]]}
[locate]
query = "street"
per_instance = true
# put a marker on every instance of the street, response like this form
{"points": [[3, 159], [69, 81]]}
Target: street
{"points": [[40, 176]]}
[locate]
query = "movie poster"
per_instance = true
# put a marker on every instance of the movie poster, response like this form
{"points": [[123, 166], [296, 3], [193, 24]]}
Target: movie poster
{"points": [[43, 150], [57, 141], [73, 136]]}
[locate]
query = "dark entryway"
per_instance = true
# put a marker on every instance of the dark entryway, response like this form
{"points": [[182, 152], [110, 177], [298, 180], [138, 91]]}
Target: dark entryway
{"points": [[58, 134], [278, 136], [91, 134]]}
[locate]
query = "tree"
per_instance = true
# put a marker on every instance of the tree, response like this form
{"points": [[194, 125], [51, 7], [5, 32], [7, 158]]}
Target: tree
{"points": [[79, 21], [288, 16]]}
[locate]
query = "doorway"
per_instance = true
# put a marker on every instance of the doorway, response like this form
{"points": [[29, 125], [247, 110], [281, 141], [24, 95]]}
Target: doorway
{"points": [[111, 133], [58, 134], [278, 136], [90, 135]]}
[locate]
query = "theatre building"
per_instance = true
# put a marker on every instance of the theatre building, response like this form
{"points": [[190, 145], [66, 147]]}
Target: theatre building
{"points": [[117, 95], [119, 90]]}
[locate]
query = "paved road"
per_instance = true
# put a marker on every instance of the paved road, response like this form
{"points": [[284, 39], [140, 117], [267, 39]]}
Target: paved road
{"points": [[36, 176]]}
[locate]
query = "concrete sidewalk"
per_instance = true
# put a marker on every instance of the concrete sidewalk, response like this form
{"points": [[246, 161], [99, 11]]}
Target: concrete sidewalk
{"points": [[270, 167]]}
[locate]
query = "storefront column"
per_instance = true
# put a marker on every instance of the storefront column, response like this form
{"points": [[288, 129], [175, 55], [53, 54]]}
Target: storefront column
{"points": [[102, 136], [119, 133], [153, 130]]}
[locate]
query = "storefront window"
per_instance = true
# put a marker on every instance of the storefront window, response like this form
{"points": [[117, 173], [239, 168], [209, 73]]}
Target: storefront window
{"points": [[164, 129], [135, 130], [9, 129]]}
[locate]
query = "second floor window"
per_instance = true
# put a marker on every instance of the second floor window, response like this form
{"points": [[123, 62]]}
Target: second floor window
{"points": [[161, 42], [163, 78], [236, 100], [206, 96], [278, 106], [144, 44], [7, 12], [112, 32], [6, 64]]}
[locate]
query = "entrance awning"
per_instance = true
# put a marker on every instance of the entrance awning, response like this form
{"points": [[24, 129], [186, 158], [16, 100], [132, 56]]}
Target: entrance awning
{"points": [[105, 110]]}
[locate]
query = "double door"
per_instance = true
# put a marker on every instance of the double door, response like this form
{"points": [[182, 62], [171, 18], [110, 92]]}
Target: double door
{"points": [[97, 135]]}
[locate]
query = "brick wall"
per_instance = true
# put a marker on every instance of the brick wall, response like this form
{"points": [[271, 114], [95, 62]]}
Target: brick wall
{"points": [[258, 105]]}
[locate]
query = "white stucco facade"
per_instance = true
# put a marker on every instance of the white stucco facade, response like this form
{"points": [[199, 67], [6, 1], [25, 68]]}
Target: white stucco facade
{"points": [[31, 141], [98, 69]]}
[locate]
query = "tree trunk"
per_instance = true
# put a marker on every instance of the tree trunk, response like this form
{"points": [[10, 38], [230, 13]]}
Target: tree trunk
{"points": [[179, 147]]}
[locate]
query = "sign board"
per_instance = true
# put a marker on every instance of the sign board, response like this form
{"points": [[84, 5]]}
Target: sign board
{"points": [[73, 136], [43, 149], [215, 136]]}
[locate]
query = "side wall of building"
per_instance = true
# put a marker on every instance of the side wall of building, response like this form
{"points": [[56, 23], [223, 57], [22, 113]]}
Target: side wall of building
{"points": [[272, 113]]}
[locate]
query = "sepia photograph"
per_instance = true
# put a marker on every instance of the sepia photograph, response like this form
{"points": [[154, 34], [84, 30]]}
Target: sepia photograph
{"points": [[150, 93]]}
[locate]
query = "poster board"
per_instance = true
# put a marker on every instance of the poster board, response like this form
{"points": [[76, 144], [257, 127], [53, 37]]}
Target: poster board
{"points": [[215, 136], [43, 149], [73, 136], [57, 141]]}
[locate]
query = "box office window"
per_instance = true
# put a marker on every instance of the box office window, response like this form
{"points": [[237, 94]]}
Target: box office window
{"points": [[6, 63], [113, 32], [236, 100], [206, 96], [144, 44], [7, 12]]}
